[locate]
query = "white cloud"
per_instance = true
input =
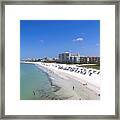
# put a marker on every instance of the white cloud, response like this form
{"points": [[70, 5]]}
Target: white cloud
{"points": [[78, 39], [97, 44], [41, 41]]}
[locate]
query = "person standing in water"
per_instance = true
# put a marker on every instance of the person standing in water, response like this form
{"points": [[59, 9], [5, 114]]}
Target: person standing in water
{"points": [[34, 92]]}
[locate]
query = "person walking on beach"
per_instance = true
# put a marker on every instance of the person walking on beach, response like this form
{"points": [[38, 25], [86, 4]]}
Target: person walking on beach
{"points": [[73, 87]]}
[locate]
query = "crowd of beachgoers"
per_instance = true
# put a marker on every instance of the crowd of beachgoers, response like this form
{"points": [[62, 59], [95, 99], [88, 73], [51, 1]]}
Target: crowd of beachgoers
{"points": [[74, 68]]}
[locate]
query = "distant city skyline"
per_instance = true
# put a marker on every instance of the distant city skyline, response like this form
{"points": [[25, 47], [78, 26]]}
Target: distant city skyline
{"points": [[48, 38]]}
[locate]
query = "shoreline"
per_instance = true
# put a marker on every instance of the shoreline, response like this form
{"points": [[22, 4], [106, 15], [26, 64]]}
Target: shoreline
{"points": [[71, 86], [49, 78]]}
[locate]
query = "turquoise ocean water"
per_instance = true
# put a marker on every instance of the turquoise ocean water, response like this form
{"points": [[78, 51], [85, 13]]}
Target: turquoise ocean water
{"points": [[35, 84]]}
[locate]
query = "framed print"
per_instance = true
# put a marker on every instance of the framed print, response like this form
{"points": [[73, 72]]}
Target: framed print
{"points": [[59, 59]]}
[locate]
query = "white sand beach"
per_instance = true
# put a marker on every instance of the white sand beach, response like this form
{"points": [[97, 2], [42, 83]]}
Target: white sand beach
{"points": [[76, 83]]}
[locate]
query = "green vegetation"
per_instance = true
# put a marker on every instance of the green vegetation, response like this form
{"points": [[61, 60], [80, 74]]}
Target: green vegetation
{"points": [[94, 66]]}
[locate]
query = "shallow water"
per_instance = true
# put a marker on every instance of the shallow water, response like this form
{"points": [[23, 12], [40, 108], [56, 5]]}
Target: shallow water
{"points": [[35, 84]]}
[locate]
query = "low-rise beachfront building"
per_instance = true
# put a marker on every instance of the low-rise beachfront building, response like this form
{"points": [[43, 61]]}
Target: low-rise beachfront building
{"points": [[49, 60], [89, 60], [93, 60], [83, 60]]}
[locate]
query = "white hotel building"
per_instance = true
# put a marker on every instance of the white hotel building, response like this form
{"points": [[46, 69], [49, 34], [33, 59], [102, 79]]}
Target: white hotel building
{"points": [[69, 57]]}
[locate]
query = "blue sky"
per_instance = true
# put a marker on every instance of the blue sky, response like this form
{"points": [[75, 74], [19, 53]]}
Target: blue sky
{"points": [[48, 38]]}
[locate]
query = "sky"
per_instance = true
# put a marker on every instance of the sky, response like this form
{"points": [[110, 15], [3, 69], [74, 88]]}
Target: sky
{"points": [[48, 38]]}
